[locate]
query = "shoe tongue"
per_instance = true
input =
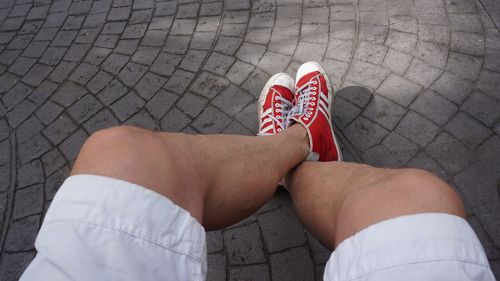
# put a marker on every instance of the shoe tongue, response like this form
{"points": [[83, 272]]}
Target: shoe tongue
{"points": [[306, 78]]}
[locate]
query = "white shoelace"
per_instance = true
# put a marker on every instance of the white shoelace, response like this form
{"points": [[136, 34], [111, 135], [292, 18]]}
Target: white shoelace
{"points": [[284, 110], [306, 101]]}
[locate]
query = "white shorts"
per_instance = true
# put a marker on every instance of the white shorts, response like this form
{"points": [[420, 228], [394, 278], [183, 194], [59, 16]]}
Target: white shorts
{"points": [[99, 228]]}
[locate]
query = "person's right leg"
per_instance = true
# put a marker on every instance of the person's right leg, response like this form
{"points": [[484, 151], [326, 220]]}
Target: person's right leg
{"points": [[335, 200]]}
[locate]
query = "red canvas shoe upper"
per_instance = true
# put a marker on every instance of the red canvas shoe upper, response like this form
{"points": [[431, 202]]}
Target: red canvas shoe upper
{"points": [[275, 103], [313, 98]]}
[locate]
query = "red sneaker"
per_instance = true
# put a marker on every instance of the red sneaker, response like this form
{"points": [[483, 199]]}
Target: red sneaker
{"points": [[313, 102], [275, 103]]}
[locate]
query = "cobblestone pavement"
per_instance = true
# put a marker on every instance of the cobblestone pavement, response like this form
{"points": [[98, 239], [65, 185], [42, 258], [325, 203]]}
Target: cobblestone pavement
{"points": [[419, 84]]}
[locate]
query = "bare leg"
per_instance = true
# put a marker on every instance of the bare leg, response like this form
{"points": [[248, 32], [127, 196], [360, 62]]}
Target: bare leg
{"points": [[219, 179], [336, 200]]}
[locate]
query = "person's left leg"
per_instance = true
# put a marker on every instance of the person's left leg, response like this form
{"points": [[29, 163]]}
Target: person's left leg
{"points": [[219, 179]]}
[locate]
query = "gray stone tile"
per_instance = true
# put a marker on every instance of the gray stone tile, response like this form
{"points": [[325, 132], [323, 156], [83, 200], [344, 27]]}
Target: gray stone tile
{"points": [[13, 265], [175, 121], [219, 63], [258, 20], [281, 229], [15, 95], [250, 272], [488, 83], [466, 23], [28, 201], [145, 55], [309, 52], [483, 108], [273, 62], [211, 121], [422, 73], [384, 112], [20, 113], [52, 161], [60, 129], [243, 245], [379, 156], [22, 233], [71, 146], [214, 241], [452, 87], [460, 6], [320, 254], [131, 73], [492, 60], [417, 129], [314, 33], [236, 128], [84, 108], [400, 41], [467, 43], [434, 107], [490, 249], [292, 264], [126, 106], [404, 23], [97, 55], [256, 82], [449, 153], [370, 52], [367, 74], [402, 149], [209, 85], [258, 35], [434, 54], [228, 45], [216, 267], [83, 73], [434, 33], [343, 112], [247, 117], [363, 133], [165, 64], [424, 161], [103, 119], [399, 89], [357, 95], [239, 72], [183, 27], [68, 93], [467, 130], [232, 100], [160, 23], [33, 148], [192, 104], [179, 81], [250, 53], [342, 50]]}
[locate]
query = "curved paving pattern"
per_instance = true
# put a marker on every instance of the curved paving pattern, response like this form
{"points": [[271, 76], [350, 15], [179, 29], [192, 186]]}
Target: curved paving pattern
{"points": [[419, 84]]}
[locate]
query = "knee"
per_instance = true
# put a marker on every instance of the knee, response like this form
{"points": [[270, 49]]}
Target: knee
{"points": [[427, 191], [116, 139]]}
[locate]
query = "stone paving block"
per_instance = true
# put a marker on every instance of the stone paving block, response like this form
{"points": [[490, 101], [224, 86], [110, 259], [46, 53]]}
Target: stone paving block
{"points": [[384, 112], [21, 234], [309, 52], [251, 53], [141, 16], [214, 241], [434, 33], [483, 108], [211, 121], [192, 104], [193, 60], [15, 95], [449, 153], [53, 55], [32, 148], [357, 95], [71, 146], [239, 72], [114, 63], [367, 74], [68, 93], [28, 129], [233, 29], [95, 20], [149, 85], [369, 52], [258, 35], [402, 149], [232, 100], [467, 130], [20, 113], [119, 13], [28, 201], [177, 44], [403, 42], [107, 41], [142, 119], [228, 45], [374, 17], [422, 73], [488, 83], [342, 50], [219, 63], [374, 5], [97, 55], [29, 174], [379, 156], [20, 10], [101, 120], [60, 129], [13, 265], [22, 65], [211, 9], [9, 56], [289, 27], [76, 52], [145, 55], [64, 38], [283, 44], [293, 264], [187, 10], [452, 87], [126, 106], [183, 27], [250, 272], [52, 161], [175, 121], [203, 40], [84, 108], [256, 82], [488, 151], [216, 267], [314, 33], [273, 62], [155, 38], [492, 252], [424, 161], [460, 6], [258, 20], [417, 129], [46, 34], [5, 149], [243, 245], [73, 22], [7, 80], [247, 117], [20, 42], [344, 112], [179, 81], [320, 254], [467, 43], [5, 177], [131, 73], [236, 128], [434, 107], [404, 23], [466, 23], [281, 229], [431, 53], [491, 60], [165, 64], [83, 73], [209, 85]]}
